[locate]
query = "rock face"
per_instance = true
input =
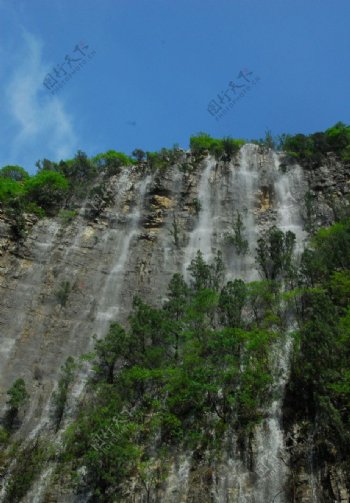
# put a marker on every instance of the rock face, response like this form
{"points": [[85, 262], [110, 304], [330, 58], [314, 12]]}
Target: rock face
{"points": [[152, 229]]}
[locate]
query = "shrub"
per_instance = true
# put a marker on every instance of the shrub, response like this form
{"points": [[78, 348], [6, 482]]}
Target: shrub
{"points": [[200, 143], [111, 161], [219, 148], [35, 209], [63, 293], [47, 189], [67, 215], [156, 160], [9, 189]]}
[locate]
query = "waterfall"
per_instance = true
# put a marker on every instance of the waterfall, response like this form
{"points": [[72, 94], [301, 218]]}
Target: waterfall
{"points": [[288, 186], [201, 236], [108, 306], [272, 455], [178, 480], [244, 186]]}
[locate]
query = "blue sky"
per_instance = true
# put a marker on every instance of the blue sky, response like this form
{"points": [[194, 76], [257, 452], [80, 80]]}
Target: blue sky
{"points": [[155, 66]]}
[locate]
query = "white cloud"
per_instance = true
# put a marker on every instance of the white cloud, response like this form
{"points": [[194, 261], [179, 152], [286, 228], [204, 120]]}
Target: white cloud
{"points": [[41, 124]]}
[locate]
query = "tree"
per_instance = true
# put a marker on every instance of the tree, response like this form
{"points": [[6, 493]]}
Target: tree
{"points": [[200, 272], [116, 345], [17, 397], [175, 308], [231, 146], [237, 238], [178, 293], [231, 302], [111, 161], [46, 165], [275, 252], [80, 169], [15, 173], [138, 154]]}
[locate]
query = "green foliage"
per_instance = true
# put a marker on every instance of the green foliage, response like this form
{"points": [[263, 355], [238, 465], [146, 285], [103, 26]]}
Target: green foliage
{"points": [[275, 253], [319, 386], [237, 238], [111, 162], [201, 272], [269, 141], [196, 205], [15, 173], [17, 394], [233, 298], [4, 436], [46, 165], [115, 345], [175, 232], [80, 170], [226, 147], [9, 189], [309, 218], [191, 366], [47, 189], [67, 216], [138, 154], [311, 149], [163, 158], [60, 396], [17, 397], [63, 292], [14, 210], [35, 210], [30, 462]]}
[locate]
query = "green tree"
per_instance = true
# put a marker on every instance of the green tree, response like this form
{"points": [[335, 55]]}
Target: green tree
{"points": [[175, 308], [78, 170], [116, 345], [112, 161], [231, 303], [275, 253], [200, 272], [138, 154], [15, 173], [47, 189], [17, 397], [237, 238]]}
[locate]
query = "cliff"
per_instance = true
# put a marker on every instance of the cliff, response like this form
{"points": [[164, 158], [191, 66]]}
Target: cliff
{"points": [[65, 281]]}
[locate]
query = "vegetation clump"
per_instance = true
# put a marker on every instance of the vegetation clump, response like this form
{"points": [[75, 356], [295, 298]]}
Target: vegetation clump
{"points": [[224, 148], [311, 149], [17, 397]]}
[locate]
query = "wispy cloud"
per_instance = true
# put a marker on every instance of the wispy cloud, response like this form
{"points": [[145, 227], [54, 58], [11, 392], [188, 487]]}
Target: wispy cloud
{"points": [[41, 124]]}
